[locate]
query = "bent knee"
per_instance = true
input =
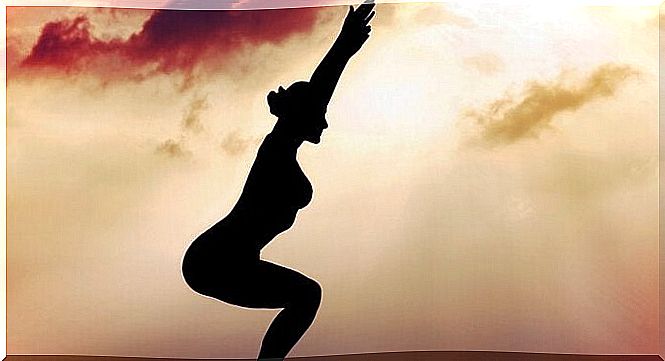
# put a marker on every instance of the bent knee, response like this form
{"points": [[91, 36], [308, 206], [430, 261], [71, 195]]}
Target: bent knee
{"points": [[310, 293], [316, 291]]}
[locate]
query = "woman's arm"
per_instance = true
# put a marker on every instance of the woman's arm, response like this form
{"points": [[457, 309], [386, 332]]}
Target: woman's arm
{"points": [[353, 35]]}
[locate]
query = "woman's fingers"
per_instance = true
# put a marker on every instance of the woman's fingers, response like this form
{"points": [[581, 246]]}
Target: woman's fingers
{"points": [[351, 11], [357, 19], [371, 15], [364, 9]]}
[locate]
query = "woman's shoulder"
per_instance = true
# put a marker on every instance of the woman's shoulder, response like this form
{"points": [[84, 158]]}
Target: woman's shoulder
{"points": [[269, 141], [268, 145]]}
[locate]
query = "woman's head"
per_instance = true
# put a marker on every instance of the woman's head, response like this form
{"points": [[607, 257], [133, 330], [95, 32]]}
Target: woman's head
{"points": [[300, 111]]}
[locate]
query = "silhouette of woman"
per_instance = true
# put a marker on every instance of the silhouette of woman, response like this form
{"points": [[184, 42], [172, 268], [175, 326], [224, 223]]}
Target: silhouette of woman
{"points": [[224, 262]]}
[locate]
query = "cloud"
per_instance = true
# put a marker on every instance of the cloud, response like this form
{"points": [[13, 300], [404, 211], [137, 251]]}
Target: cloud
{"points": [[389, 15], [233, 144], [191, 123], [169, 41], [13, 53], [508, 120], [486, 63], [64, 43], [192, 119], [579, 176], [434, 14], [173, 149]]}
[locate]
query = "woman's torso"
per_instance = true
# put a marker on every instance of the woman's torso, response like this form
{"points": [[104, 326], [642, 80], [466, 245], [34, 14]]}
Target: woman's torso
{"points": [[276, 188]]}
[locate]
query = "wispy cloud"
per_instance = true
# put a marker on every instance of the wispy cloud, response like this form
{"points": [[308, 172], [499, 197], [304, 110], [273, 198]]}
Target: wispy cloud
{"points": [[509, 119], [485, 63], [433, 14], [173, 149], [191, 123], [234, 144], [192, 119]]}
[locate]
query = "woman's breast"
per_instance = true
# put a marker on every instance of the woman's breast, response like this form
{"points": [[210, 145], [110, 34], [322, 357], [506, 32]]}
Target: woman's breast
{"points": [[304, 194], [296, 190]]}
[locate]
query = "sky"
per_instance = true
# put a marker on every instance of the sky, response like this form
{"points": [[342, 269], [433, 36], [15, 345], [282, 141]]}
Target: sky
{"points": [[489, 179]]}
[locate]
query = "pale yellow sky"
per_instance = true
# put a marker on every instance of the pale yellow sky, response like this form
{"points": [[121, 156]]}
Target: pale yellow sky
{"points": [[424, 231]]}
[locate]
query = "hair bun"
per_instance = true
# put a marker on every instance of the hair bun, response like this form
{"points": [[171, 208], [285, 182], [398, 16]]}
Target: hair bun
{"points": [[275, 102], [281, 100]]}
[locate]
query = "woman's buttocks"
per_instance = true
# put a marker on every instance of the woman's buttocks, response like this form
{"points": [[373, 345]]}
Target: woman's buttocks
{"points": [[218, 249], [210, 255]]}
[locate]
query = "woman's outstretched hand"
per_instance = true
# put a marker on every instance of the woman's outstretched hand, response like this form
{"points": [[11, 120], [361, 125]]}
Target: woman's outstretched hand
{"points": [[356, 28], [351, 38]]}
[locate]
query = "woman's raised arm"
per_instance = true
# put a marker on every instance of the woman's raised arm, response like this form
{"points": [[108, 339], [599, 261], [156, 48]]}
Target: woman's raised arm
{"points": [[353, 35]]}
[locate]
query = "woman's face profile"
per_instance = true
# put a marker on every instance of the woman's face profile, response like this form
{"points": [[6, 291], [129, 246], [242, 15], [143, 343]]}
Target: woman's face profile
{"points": [[300, 108], [306, 116], [312, 122]]}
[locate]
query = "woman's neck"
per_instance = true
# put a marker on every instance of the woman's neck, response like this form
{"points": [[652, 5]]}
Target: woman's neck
{"points": [[285, 135]]}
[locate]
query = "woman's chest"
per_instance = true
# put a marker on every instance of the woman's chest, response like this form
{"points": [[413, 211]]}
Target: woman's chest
{"points": [[292, 186], [279, 185]]}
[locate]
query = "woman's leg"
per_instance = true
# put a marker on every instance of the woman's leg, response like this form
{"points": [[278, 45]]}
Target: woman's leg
{"points": [[268, 285]]}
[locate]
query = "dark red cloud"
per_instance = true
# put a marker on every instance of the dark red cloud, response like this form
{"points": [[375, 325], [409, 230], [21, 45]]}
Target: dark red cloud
{"points": [[67, 44], [169, 41]]}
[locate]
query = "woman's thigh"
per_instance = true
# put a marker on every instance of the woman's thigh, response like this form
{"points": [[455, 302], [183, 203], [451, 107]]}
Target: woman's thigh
{"points": [[262, 284]]}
